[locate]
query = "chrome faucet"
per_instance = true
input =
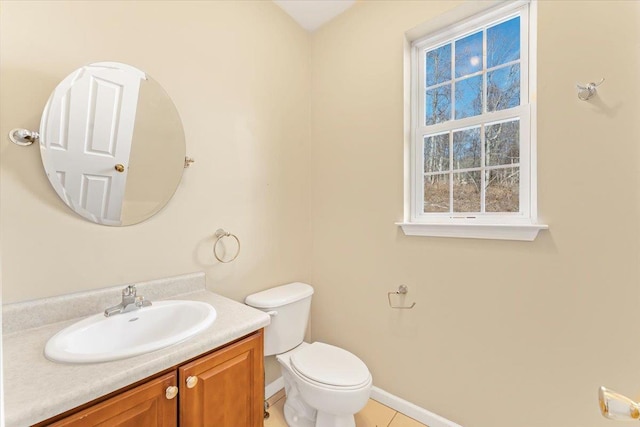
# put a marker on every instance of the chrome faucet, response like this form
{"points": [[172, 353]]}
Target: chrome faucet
{"points": [[130, 302]]}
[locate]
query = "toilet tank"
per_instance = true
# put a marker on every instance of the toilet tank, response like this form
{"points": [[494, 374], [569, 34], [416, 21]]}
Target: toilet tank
{"points": [[288, 306]]}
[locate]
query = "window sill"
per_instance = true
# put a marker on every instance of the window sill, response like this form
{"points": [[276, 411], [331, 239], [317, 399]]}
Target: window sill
{"points": [[524, 232]]}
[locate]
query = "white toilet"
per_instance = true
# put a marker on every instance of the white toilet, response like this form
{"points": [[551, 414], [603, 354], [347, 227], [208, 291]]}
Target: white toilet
{"points": [[324, 385]]}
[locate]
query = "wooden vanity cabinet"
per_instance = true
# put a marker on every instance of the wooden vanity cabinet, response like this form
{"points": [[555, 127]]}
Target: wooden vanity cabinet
{"points": [[146, 405], [224, 388]]}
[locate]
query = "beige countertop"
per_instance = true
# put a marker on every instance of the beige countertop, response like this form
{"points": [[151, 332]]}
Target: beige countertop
{"points": [[36, 389]]}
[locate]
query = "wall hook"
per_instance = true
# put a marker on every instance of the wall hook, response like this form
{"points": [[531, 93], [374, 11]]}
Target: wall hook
{"points": [[402, 290], [586, 92]]}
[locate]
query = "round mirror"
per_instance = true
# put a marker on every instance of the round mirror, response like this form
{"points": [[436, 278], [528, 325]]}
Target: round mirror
{"points": [[112, 144]]}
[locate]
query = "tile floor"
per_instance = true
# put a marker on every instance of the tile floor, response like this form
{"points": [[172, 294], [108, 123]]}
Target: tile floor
{"points": [[375, 414]]}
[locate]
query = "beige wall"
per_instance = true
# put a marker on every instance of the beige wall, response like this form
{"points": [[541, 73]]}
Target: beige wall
{"points": [[504, 334], [238, 73]]}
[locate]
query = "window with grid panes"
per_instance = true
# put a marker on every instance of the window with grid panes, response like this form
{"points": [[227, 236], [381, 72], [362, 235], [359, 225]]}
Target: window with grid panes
{"points": [[471, 122]]}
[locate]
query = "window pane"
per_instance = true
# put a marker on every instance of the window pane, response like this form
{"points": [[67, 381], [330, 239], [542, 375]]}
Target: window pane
{"points": [[466, 149], [438, 66], [438, 105], [502, 143], [466, 191], [469, 54], [436, 193], [469, 97], [502, 190], [503, 42], [436, 153], [503, 88]]}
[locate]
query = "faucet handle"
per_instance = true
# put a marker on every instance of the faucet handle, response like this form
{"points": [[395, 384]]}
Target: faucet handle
{"points": [[129, 291]]}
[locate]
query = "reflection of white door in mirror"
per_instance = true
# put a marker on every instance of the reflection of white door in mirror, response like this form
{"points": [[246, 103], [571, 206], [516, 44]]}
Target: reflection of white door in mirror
{"points": [[112, 144], [87, 130]]}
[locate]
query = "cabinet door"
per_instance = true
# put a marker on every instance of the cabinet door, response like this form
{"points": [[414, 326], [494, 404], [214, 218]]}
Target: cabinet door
{"points": [[146, 405], [224, 388]]}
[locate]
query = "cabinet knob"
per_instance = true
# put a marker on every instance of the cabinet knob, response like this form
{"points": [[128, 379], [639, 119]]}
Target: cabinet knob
{"points": [[192, 381], [171, 392]]}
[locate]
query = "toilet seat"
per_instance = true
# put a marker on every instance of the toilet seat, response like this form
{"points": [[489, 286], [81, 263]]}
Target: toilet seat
{"points": [[331, 366]]}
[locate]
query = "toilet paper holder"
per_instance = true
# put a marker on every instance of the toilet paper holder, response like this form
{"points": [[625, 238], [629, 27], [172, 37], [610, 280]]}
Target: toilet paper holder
{"points": [[402, 290]]}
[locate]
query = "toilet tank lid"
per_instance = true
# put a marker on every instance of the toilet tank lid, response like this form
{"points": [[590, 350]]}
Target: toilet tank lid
{"points": [[279, 296]]}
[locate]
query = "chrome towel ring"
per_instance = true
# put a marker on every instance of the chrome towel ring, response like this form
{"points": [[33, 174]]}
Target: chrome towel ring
{"points": [[220, 234]]}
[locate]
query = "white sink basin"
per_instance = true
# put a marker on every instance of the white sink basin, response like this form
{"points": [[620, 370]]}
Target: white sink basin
{"points": [[101, 339]]}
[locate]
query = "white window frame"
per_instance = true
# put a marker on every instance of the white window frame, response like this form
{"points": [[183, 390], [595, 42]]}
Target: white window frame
{"points": [[508, 226]]}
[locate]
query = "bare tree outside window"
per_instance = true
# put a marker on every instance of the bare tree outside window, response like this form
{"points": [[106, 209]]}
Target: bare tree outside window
{"points": [[476, 169]]}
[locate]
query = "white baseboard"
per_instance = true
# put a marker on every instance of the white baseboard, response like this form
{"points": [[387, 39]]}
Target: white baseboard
{"points": [[273, 387], [410, 410], [387, 399]]}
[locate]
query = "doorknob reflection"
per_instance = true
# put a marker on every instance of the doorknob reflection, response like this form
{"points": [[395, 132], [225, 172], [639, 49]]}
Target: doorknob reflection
{"points": [[618, 407]]}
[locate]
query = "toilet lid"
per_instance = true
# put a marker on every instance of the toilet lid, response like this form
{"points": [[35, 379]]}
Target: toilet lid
{"points": [[329, 365]]}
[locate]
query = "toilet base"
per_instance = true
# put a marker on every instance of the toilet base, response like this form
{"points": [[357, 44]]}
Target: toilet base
{"points": [[324, 419], [297, 413], [296, 418]]}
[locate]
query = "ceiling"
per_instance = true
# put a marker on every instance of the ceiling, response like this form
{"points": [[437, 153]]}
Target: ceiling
{"points": [[312, 14]]}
